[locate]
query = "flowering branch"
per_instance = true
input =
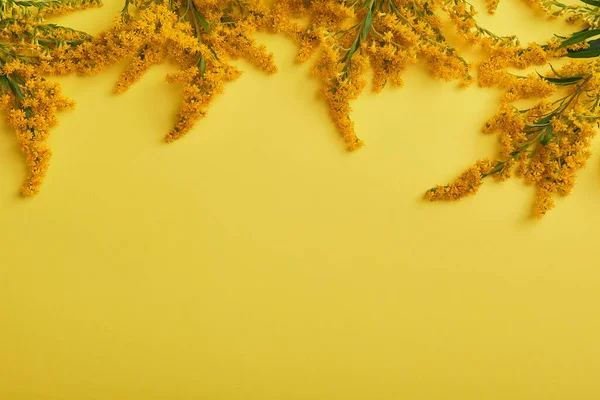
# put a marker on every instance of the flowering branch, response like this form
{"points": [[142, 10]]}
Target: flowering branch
{"points": [[385, 35], [27, 45]]}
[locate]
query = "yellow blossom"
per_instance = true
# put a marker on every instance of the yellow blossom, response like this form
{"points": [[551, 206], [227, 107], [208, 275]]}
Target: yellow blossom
{"points": [[384, 35], [545, 144]]}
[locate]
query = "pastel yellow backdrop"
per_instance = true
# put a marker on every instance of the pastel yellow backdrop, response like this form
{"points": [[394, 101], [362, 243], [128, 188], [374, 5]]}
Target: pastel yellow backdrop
{"points": [[256, 259]]}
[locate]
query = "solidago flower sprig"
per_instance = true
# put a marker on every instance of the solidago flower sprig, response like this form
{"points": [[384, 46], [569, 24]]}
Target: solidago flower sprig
{"points": [[547, 144], [200, 36], [31, 102], [580, 11], [385, 35]]}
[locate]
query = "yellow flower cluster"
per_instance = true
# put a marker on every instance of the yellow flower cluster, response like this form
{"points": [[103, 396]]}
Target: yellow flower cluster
{"points": [[385, 35], [200, 36], [462, 14], [67, 6], [25, 10], [466, 184], [31, 113], [29, 101], [546, 144]]}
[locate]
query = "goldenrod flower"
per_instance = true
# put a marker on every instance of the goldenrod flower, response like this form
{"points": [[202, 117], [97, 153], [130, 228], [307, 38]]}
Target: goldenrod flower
{"points": [[27, 46], [384, 35], [199, 36], [545, 144]]}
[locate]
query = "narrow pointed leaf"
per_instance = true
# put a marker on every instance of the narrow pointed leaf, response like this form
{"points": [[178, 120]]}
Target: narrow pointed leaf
{"points": [[562, 81], [203, 21], [592, 51], [579, 37], [547, 136], [368, 23], [591, 2]]}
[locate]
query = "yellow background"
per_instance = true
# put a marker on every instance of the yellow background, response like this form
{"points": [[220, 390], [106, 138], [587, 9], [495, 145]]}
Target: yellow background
{"points": [[256, 259]]}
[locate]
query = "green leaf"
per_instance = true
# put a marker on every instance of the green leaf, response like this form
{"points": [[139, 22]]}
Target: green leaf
{"points": [[15, 89], [547, 136], [580, 37], [368, 23], [591, 2], [592, 51], [544, 121], [353, 49], [540, 124], [497, 168], [4, 84], [585, 54], [203, 22], [555, 72], [202, 66], [565, 81]]}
